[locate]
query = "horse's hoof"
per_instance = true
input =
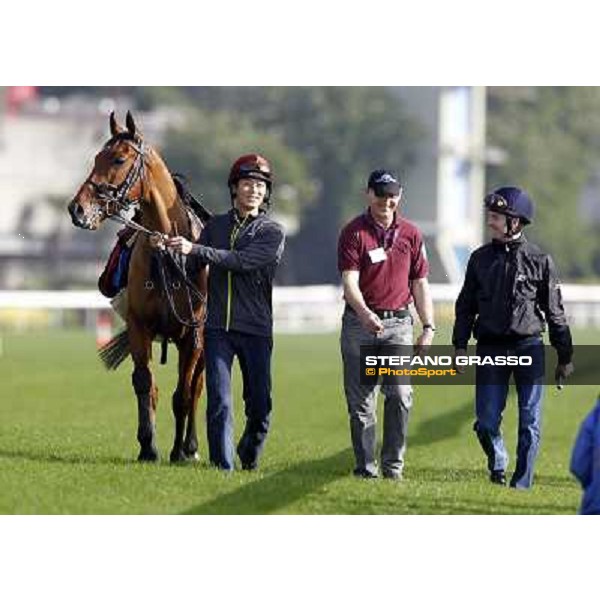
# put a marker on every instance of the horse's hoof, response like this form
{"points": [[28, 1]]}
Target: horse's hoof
{"points": [[192, 456], [182, 457], [178, 457], [148, 455]]}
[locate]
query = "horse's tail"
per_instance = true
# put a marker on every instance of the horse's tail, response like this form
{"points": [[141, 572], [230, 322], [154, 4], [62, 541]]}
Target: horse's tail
{"points": [[116, 351]]}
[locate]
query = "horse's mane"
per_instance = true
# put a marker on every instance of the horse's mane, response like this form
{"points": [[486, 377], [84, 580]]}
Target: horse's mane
{"points": [[189, 199]]}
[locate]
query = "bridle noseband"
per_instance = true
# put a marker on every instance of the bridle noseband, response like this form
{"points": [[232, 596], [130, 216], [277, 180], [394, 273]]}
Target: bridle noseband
{"points": [[114, 198]]}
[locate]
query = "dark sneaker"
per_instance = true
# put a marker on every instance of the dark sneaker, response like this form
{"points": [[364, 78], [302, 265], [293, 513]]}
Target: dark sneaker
{"points": [[364, 474], [393, 476], [498, 477], [246, 464]]}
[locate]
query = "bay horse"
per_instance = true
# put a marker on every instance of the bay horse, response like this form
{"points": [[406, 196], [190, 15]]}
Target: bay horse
{"points": [[129, 173]]}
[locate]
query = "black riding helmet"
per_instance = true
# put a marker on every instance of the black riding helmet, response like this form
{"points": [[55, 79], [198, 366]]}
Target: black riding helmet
{"points": [[512, 202]]}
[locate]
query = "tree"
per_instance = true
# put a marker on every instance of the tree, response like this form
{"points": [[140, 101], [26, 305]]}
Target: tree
{"points": [[551, 136], [341, 134], [207, 145], [323, 142]]}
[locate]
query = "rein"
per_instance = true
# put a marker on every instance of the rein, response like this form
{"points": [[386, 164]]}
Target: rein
{"points": [[194, 324], [133, 225], [115, 200]]}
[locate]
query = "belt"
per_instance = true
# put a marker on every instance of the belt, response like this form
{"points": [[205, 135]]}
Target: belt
{"points": [[392, 314], [386, 314]]}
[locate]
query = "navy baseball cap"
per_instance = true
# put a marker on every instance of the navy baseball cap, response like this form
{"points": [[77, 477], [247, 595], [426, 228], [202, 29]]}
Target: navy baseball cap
{"points": [[384, 183]]}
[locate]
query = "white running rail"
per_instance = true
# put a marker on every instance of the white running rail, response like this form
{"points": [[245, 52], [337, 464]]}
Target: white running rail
{"points": [[305, 309]]}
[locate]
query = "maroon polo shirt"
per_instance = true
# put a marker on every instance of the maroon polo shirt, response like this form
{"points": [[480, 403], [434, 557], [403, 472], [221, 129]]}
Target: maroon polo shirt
{"points": [[384, 285]]}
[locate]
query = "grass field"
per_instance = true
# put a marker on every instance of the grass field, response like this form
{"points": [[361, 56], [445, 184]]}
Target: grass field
{"points": [[67, 443]]}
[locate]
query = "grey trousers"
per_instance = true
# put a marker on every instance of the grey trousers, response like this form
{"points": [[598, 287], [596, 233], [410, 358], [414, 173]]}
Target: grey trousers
{"points": [[362, 399]]}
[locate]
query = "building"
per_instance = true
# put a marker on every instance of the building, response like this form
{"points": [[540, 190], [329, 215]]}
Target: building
{"points": [[445, 188], [47, 148]]}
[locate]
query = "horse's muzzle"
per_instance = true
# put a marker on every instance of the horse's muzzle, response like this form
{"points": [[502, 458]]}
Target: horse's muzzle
{"points": [[78, 215]]}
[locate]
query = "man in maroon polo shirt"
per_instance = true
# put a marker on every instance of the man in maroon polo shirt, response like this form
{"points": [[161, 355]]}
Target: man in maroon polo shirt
{"points": [[384, 268]]}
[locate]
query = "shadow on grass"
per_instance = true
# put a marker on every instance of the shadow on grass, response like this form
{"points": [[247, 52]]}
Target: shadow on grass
{"points": [[557, 481], [68, 459], [274, 492], [467, 507], [506, 501], [445, 475], [441, 427], [448, 474]]}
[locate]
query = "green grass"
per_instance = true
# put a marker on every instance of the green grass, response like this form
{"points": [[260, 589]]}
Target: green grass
{"points": [[67, 443]]}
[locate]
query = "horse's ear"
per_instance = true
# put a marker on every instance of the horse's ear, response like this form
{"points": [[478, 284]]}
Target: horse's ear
{"points": [[130, 124], [114, 127]]}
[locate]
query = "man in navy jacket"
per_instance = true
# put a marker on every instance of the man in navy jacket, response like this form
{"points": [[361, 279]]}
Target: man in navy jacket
{"points": [[242, 249]]}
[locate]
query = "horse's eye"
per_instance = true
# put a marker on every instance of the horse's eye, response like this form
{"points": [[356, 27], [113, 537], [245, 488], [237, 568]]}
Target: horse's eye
{"points": [[119, 160]]}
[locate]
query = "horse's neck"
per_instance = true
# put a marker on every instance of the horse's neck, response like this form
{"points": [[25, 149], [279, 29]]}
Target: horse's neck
{"points": [[164, 211]]}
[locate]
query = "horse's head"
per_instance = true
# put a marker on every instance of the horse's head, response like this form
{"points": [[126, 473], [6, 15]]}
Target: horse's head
{"points": [[117, 180]]}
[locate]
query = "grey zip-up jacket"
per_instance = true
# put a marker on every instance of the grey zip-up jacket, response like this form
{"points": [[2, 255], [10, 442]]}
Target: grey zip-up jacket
{"points": [[242, 255], [510, 289]]}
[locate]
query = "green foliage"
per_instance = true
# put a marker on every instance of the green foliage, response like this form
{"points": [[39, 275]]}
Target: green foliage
{"points": [[333, 136], [207, 145], [342, 133], [322, 141], [68, 442], [551, 136]]}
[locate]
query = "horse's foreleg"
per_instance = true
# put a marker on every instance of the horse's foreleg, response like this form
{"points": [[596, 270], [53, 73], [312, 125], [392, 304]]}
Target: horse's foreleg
{"points": [[190, 446], [147, 394]]}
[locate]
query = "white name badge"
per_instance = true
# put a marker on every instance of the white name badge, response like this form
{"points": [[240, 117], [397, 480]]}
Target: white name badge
{"points": [[378, 255]]}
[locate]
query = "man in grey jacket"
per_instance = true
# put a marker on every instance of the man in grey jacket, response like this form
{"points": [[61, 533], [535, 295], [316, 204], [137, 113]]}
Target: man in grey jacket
{"points": [[242, 249]]}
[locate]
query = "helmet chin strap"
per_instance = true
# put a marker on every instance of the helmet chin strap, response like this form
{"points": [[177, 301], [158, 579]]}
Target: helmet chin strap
{"points": [[264, 207], [512, 226]]}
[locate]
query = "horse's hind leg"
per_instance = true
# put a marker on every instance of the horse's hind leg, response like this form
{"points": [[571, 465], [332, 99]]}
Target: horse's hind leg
{"points": [[177, 453], [183, 400], [146, 392]]}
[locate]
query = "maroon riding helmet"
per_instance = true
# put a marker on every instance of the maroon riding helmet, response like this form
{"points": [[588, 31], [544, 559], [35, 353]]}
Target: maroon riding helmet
{"points": [[251, 166]]}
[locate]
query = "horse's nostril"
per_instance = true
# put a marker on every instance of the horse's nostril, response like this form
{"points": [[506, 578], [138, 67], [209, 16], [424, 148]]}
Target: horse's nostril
{"points": [[76, 211]]}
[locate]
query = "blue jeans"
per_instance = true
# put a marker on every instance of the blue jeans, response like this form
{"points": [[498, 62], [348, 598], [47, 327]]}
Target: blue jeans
{"points": [[254, 356], [491, 391]]}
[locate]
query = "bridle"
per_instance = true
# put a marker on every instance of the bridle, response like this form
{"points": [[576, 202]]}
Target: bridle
{"points": [[113, 199]]}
